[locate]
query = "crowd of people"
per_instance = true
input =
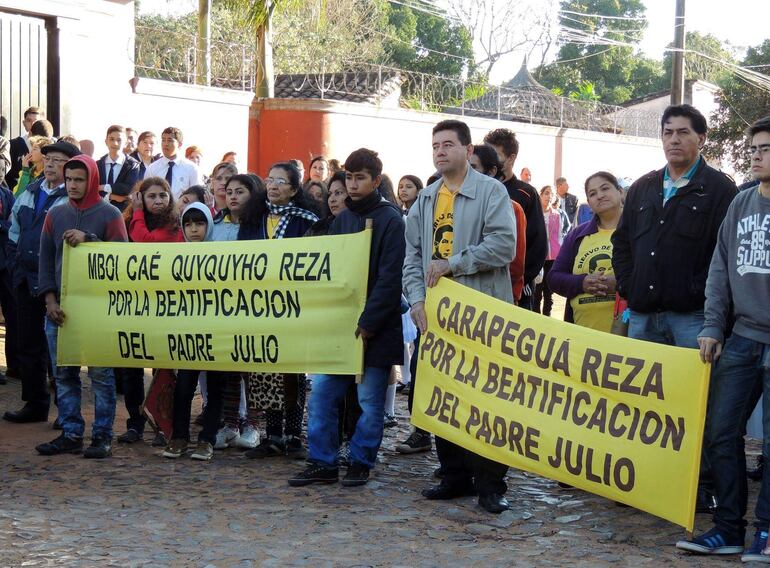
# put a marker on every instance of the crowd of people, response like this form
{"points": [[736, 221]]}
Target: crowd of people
{"points": [[682, 258]]}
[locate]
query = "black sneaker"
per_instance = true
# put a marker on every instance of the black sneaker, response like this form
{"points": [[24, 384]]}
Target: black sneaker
{"points": [[315, 473], [100, 448], [358, 474], [61, 445], [130, 436], [389, 421], [270, 447], [418, 441], [159, 441], [294, 448]]}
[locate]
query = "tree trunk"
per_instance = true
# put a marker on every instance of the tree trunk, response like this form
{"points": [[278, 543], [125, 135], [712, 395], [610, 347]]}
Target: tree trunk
{"points": [[264, 72], [203, 51]]}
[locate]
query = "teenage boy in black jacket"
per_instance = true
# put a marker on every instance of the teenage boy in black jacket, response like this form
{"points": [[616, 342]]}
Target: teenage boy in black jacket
{"points": [[379, 326]]}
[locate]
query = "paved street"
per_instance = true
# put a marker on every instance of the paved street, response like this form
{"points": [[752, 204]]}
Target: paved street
{"points": [[139, 509]]}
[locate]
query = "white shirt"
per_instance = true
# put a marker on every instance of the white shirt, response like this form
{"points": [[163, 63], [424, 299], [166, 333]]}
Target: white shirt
{"points": [[121, 159], [184, 174]]}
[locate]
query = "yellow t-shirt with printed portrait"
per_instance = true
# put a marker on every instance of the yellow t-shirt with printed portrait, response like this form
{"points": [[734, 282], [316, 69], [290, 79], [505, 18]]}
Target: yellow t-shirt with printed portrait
{"points": [[594, 255], [443, 224]]}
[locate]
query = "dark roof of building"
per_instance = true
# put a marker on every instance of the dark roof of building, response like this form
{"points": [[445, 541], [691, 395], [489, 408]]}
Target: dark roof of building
{"points": [[353, 86], [523, 99]]}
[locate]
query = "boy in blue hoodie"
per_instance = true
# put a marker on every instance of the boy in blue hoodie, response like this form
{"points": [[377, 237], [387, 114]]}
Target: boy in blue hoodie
{"points": [[86, 217], [198, 226]]}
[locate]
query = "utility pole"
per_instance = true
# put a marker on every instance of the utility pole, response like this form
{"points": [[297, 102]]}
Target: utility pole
{"points": [[677, 69], [203, 56]]}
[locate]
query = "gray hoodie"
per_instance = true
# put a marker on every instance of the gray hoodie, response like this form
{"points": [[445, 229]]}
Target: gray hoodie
{"points": [[740, 271], [209, 219]]}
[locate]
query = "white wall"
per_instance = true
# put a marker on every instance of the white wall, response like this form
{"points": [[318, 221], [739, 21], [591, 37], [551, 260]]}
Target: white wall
{"points": [[96, 59], [403, 140]]}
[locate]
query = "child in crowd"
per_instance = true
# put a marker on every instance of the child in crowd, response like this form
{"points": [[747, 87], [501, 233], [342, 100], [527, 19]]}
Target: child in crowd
{"points": [[86, 217], [152, 218], [197, 226]]}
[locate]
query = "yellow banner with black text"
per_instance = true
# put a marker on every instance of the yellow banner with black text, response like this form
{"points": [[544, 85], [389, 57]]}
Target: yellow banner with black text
{"points": [[274, 305], [614, 416]]}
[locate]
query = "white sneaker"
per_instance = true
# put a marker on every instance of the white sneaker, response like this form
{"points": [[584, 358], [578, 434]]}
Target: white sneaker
{"points": [[226, 437], [248, 439]]}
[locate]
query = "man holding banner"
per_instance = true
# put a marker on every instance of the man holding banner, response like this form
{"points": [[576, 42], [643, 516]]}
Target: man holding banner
{"points": [[738, 289], [460, 226], [379, 326], [86, 217]]}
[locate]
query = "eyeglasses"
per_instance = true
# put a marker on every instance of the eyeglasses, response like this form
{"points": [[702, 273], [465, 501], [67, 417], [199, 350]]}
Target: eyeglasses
{"points": [[276, 181], [762, 149], [57, 161]]}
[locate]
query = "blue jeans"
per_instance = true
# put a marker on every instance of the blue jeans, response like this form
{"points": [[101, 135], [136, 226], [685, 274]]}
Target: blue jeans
{"points": [[744, 363], [68, 393], [323, 429], [668, 328]]}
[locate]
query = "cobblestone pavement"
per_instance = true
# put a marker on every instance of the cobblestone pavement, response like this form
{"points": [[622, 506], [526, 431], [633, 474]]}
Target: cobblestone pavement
{"points": [[139, 509]]}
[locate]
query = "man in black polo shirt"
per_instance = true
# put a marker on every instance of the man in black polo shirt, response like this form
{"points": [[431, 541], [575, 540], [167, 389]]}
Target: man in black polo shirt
{"points": [[507, 147]]}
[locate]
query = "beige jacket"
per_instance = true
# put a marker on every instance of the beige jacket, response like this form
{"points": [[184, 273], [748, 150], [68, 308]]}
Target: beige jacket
{"points": [[484, 241]]}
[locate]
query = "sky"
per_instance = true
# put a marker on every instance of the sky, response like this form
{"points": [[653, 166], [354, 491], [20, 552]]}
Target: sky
{"points": [[744, 24]]}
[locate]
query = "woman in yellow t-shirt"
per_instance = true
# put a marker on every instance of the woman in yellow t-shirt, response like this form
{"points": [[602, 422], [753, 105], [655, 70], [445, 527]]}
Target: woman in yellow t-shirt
{"points": [[582, 272]]}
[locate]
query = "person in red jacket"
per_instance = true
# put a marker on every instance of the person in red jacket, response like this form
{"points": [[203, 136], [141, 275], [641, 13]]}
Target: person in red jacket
{"points": [[151, 217]]}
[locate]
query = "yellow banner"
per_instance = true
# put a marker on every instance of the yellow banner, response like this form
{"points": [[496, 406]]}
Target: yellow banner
{"points": [[275, 305], [617, 417]]}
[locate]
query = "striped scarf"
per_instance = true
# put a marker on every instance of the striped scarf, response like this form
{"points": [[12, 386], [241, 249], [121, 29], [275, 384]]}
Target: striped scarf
{"points": [[287, 213]]}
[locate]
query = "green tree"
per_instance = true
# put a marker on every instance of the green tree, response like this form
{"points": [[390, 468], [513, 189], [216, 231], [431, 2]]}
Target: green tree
{"points": [[418, 41], [698, 67], [740, 104], [618, 73]]}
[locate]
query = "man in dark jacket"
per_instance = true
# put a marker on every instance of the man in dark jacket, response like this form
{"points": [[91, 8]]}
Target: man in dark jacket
{"points": [[379, 326], [19, 146], [507, 147], [566, 201], [666, 237], [27, 219], [118, 172]]}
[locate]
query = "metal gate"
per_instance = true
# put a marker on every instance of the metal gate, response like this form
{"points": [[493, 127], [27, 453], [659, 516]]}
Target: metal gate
{"points": [[23, 68]]}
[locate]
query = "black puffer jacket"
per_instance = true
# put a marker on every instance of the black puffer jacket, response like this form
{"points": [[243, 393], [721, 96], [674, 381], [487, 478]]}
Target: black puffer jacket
{"points": [[382, 312], [661, 254]]}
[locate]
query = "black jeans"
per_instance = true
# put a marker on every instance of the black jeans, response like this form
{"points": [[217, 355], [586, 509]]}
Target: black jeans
{"points": [[8, 304], [543, 294], [184, 391], [462, 467], [133, 396], [33, 349]]}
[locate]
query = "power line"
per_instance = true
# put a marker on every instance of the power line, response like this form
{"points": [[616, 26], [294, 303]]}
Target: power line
{"points": [[603, 17], [421, 47], [431, 11]]}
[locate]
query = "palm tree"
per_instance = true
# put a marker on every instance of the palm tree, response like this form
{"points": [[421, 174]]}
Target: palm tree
{"points": [[257, 15]]}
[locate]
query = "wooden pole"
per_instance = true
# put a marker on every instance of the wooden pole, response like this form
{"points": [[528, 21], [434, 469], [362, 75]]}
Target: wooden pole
{"points": [[360, 376]]}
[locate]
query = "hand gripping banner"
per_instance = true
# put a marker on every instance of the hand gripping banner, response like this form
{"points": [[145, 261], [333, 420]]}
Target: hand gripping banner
{"points": [[275, 305], [614, 416]]}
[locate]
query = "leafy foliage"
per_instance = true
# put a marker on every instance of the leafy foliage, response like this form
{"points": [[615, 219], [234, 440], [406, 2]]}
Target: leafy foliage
{"points": [[740, 104]]}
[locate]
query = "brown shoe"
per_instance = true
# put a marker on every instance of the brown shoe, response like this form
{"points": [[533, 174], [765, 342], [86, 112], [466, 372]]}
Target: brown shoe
{"points": [[203, 451], [175, 449]]}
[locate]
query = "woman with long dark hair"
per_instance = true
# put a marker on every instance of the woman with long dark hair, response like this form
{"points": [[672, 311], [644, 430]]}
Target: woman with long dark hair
{"points": [[285, 213], [152, 218], [582, 272]]}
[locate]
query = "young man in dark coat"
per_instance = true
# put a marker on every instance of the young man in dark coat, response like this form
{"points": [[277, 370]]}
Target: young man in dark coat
{"points": [[379, 326]]}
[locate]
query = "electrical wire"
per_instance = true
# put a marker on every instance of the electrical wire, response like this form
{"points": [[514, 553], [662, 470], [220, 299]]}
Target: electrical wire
{"points": [[603, 17], [421, 47]]}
